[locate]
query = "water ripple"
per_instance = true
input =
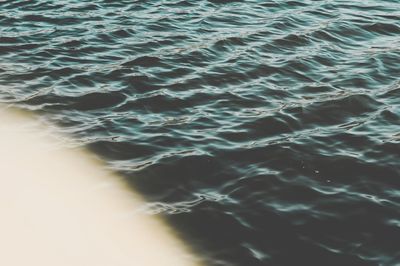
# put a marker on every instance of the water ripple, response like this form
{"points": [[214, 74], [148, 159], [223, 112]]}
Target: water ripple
{"points": [[258, 128]]}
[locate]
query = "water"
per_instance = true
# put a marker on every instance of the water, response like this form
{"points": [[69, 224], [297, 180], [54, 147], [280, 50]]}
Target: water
{"points": [[267, 132]]}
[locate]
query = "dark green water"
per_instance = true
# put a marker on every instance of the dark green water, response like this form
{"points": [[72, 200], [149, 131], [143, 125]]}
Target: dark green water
{"points": [[267, 132]]}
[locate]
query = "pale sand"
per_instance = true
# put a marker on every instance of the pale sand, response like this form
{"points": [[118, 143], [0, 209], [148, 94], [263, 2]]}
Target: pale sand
{"points": [[61, 207]]}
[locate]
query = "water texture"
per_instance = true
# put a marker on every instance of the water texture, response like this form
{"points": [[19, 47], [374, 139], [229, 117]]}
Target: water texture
{"points": [[267, 132]]}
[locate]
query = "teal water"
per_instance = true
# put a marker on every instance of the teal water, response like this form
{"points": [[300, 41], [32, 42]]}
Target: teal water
{"points": [[267, 132]]}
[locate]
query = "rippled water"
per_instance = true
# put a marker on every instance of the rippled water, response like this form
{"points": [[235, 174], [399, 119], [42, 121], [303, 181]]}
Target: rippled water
{"points": [[266, 131]]}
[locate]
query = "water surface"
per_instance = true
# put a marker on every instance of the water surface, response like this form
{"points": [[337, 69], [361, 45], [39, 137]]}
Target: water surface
{"points": [[267, 132]]}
